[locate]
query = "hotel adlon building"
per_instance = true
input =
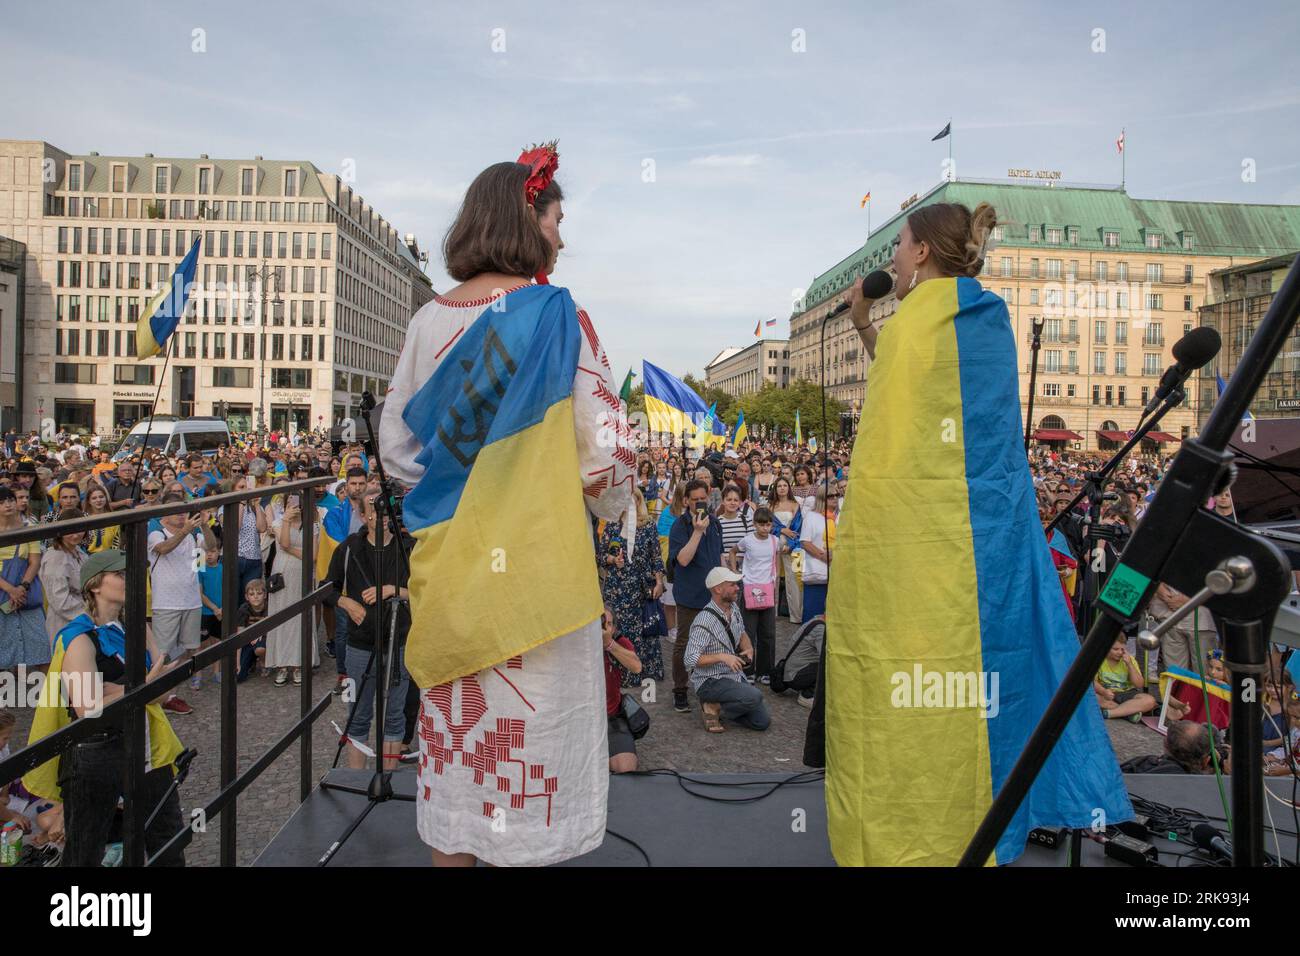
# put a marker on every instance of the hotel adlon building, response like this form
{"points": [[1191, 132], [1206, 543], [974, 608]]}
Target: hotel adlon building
{"points": [[1115, 280], [103, 233]]}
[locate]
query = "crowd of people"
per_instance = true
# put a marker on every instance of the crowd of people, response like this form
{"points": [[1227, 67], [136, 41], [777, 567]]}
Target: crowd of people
{"points": [[725, 542], [64, 596]]}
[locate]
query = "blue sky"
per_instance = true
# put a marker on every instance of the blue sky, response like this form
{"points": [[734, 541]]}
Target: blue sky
{"points": [[760, 153]]}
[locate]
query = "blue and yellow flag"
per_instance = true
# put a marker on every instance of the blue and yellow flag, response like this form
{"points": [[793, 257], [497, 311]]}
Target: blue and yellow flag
{"points": [[164, 311], [492, 575], [670, 404], [704, 430], [947, 634], [334, 531], [1220, 385], [51, 713], [741, 432], [798, 429]]}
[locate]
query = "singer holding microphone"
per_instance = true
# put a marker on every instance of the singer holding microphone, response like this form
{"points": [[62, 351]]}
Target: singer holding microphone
{"points": [[946, 633]]}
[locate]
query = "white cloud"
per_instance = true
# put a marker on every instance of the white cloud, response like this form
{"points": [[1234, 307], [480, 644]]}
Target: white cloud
{"points": [[734, 159]]}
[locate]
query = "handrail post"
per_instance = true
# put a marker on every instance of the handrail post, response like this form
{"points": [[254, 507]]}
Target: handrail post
{"points": [[136, 809], [230, 601], [308, 637]]}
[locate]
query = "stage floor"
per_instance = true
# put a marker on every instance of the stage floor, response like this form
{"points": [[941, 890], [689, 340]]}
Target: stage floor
{"points": [[676, 828]]}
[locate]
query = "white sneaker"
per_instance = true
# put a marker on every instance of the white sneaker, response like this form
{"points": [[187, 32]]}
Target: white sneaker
{"points": [[805, 701]]}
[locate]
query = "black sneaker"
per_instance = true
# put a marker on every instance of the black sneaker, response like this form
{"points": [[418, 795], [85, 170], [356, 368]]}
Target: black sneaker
{"points": [[329, 649], [679, 702]]}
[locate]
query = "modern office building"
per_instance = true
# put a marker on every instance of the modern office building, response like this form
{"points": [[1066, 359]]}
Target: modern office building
{"points": [[744, 371], [302, 300], [1115, 280], [1237, 299], [12, 299]]}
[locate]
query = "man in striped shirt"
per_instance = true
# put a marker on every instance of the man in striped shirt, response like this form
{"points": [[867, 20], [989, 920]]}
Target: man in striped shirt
{"points": [[717, 652]]}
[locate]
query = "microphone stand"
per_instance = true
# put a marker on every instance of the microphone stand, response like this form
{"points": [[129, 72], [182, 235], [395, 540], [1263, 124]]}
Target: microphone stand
{"points": [[1033, 377], [380, 788], [1239, 575]]}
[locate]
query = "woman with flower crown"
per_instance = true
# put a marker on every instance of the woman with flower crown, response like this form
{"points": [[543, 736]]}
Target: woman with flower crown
{"points": [[503, 397]]}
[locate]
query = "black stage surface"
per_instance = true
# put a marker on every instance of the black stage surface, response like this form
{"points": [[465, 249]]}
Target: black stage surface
{"points": [[675, 828]]}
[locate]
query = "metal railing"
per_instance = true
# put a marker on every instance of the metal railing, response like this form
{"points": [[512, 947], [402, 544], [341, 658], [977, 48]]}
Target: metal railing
{"points": [[128, 712]]}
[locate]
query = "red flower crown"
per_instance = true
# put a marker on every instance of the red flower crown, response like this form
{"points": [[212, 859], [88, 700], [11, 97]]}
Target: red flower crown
{"points": [[543, 161]]}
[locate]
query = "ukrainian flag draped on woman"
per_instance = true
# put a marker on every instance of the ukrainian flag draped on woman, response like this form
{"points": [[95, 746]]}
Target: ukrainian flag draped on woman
{"points": [[493, 575], [942, 575]]}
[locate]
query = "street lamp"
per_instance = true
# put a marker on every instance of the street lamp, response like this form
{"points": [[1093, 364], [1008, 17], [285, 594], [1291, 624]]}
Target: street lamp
{"points": [[263, 276]]}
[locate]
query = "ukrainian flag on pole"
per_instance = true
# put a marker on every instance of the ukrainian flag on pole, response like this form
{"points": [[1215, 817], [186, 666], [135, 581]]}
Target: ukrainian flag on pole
{"points": [[669, 404], [798, 429], [164, 311], [500, 405], [704, 431], [741, 432]]}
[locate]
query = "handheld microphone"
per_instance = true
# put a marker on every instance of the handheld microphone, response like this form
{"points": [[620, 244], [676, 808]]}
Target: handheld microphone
{"points": [[1193, 351], [1211, 841], [876, 285]]}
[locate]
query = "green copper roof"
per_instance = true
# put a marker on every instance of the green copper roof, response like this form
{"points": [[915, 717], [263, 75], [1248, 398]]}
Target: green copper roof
{"points": [[1216, 229]]}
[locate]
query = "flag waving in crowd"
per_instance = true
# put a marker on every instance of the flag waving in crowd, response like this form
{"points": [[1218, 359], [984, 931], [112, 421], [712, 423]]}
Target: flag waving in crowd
{"points": [[741, 433], [164, 311]]}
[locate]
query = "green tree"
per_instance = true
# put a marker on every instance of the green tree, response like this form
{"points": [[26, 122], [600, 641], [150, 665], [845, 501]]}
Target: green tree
{"points": [[773, 408], [636, 401]]}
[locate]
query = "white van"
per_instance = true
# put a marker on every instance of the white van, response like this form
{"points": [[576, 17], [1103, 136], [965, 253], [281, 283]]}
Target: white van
{"points": [[177, 436]]}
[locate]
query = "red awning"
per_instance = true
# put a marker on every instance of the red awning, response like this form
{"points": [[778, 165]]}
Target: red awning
{"points": [[1056, 434], [1161, 437], [1112, 436]]}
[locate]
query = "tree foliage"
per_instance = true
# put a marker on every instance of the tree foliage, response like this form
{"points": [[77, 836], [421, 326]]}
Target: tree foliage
{"points": [[773, 408]]}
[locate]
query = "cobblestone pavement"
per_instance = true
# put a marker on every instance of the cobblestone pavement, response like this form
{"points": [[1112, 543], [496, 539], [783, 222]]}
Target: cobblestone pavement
{"points": [[677, 741]]}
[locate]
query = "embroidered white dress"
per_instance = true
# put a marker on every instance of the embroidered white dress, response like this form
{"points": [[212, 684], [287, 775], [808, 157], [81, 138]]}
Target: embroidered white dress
{"points": [[514, 762]]}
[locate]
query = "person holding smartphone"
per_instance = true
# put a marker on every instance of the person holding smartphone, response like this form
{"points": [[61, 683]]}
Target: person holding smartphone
{"points": [[695, 547]]}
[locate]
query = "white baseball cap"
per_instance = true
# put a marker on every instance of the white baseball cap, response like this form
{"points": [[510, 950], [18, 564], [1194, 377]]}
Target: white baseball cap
{"points": [[720, 575]]}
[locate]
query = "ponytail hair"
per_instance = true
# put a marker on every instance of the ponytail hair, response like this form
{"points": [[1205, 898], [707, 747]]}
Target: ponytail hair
{"points": [[958, 238]]}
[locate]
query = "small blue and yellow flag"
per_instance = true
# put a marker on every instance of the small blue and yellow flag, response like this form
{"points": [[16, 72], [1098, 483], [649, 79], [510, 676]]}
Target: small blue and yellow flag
{"points": [[798, 429], [1220, 385], [741, 432], [500, 405], [812, 444], [704, 430], [164, 311]]}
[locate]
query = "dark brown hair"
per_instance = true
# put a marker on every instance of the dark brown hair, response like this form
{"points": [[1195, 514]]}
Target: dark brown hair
{"points": [[68, 514], [495, 231], [956, 236]]}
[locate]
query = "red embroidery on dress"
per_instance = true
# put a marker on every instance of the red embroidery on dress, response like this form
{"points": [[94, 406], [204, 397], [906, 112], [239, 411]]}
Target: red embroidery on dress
{"points": [[448, 345], [596, 488], [584, 321], [493, 753]]}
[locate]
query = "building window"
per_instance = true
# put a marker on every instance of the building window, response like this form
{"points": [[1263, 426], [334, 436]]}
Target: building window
{"points": [[160, 175], [133, 374], [1187, 242], [1099, 332], [1110, 240], [1096, 395], [1154, 240], [1121, 368], [1155, 301], [1051, 389], [1121, 389], [1006, 265], [1155, 272], [1150, 366], [1110, 396], [1099, 363], [291, 182], [1187, 303], [223, 376], [67, 373], [1187, 274], [1033, 297], [205, 180], [1053, 268], [1099, 271], [1052, 361], [1053, 237], [1069, 391], [246, 183], [1072, 232], [1033, 233], [119, 179]]}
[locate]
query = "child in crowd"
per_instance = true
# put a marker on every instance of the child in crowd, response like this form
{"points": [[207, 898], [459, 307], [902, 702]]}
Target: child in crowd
{"points": [[1277, 762], [250, 612], [1119, 685], [40, 820], [760, 551], [210, 594]]}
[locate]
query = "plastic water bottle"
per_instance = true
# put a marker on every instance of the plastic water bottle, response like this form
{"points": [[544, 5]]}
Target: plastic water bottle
{"points": [[11, 844]]}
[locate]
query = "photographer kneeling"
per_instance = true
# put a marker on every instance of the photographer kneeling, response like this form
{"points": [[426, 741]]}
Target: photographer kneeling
{"points": [[88, 778], [717, 652]]}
